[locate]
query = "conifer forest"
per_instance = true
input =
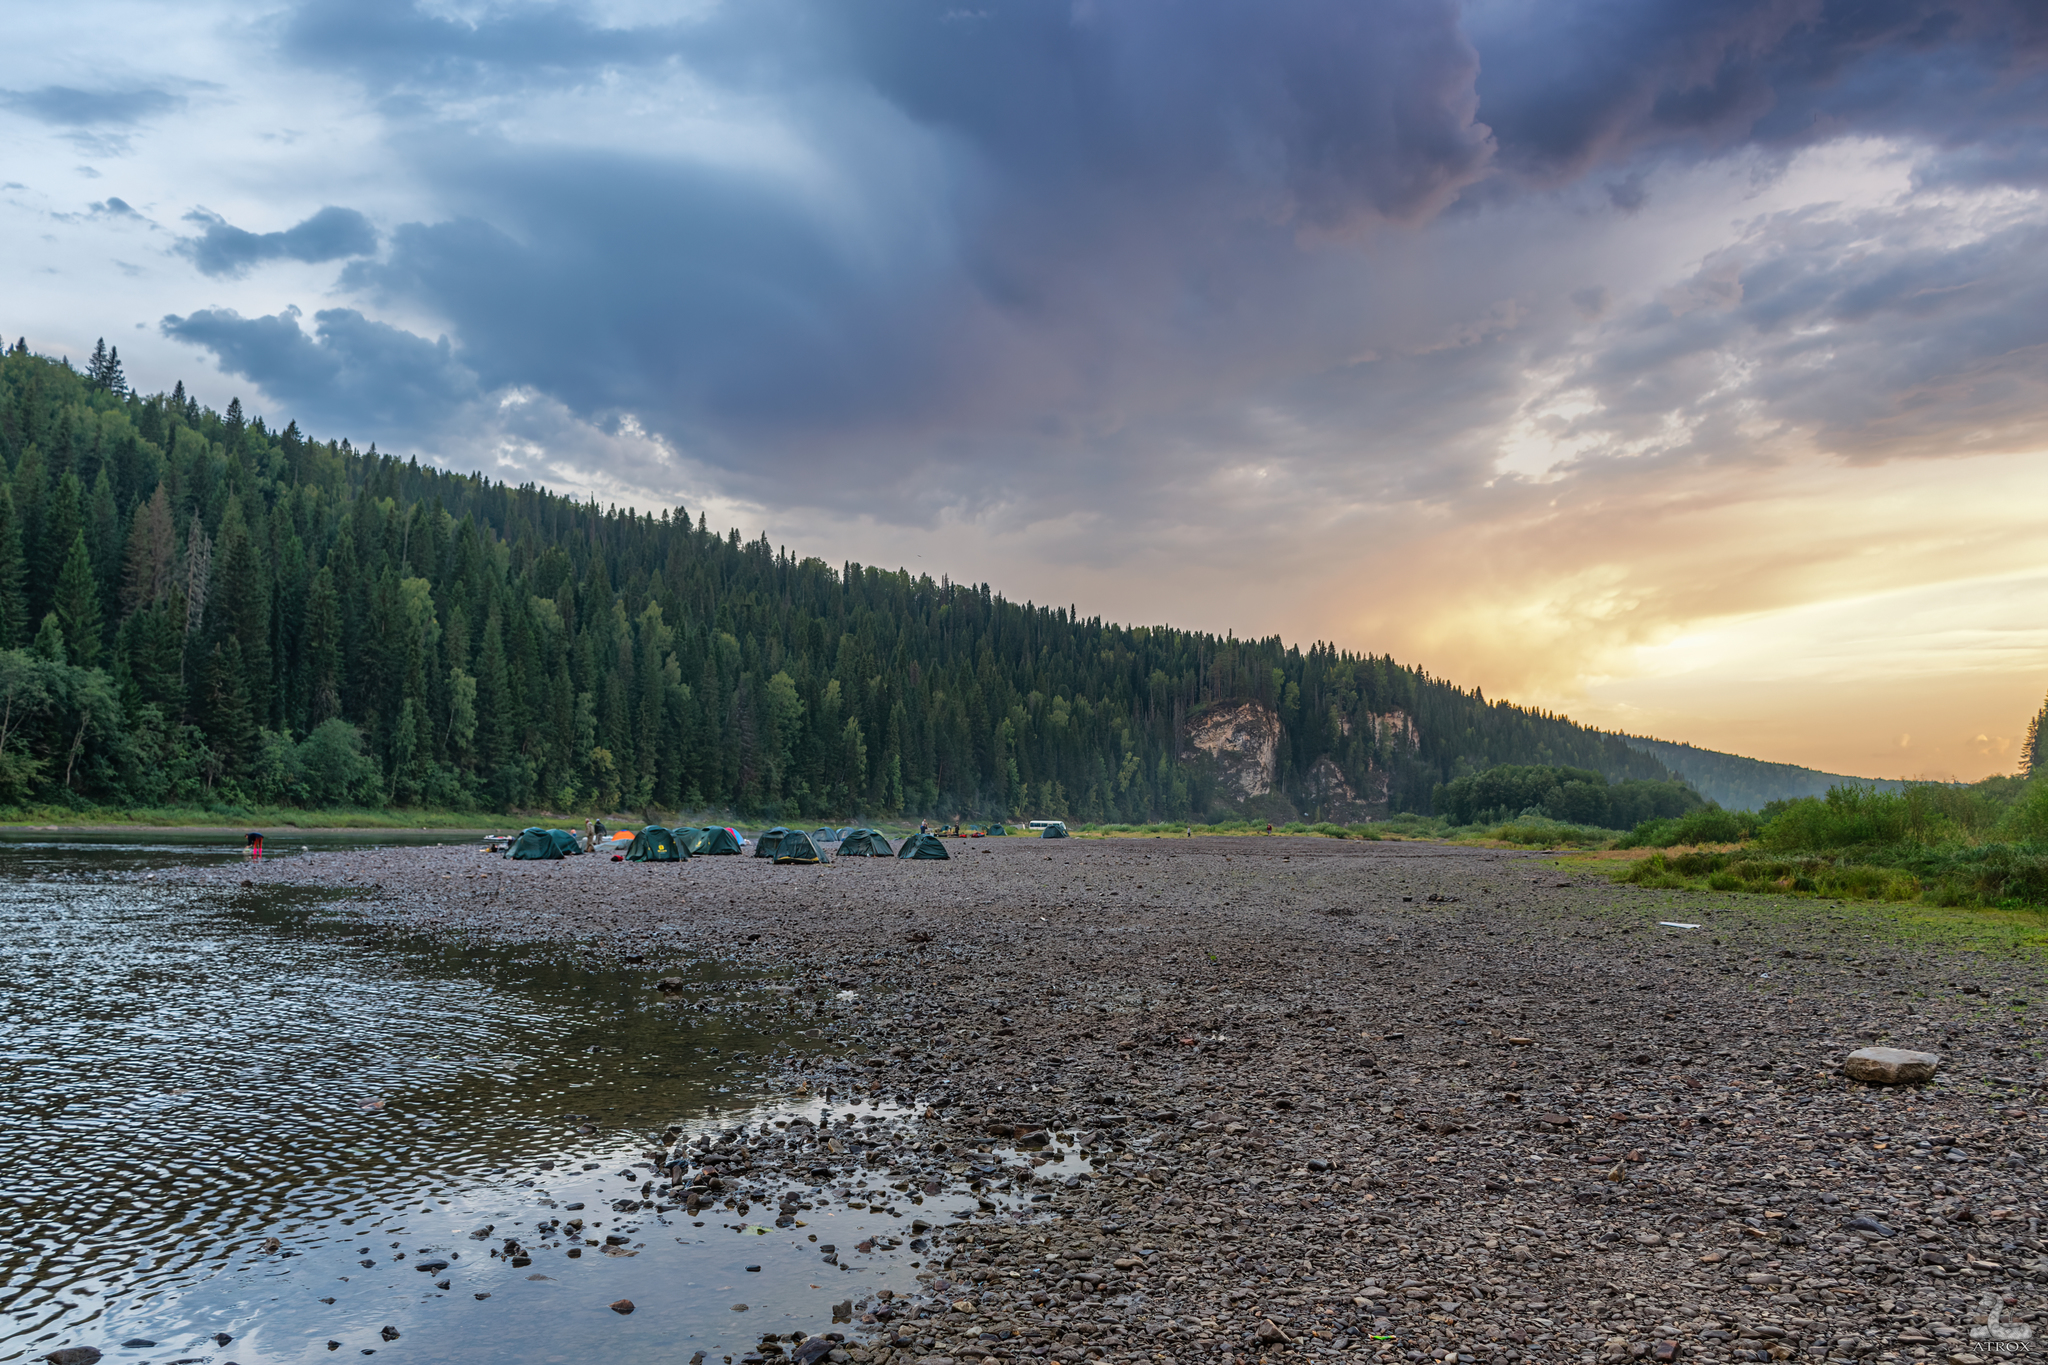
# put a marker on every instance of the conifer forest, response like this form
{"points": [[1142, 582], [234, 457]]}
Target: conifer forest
{"points": [[199, 608]]}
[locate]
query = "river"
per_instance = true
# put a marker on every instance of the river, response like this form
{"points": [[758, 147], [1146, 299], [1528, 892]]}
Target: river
{"points": [[237, 1127]]}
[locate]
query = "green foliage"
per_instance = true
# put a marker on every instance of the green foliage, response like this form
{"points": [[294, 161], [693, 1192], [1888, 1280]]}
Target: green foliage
{"points": [[235, 586], [1985, 845], [1707, 825], [1853, 817], [1573, 796]]}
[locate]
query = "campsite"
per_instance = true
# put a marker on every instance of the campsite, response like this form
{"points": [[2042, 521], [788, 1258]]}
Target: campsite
{"points": [[1367, 1047]]}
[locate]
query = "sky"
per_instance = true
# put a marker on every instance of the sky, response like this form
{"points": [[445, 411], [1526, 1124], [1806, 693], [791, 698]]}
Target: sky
{"points": [[1679, 366]]}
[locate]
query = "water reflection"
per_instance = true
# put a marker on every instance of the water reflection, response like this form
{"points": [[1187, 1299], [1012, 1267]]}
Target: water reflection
{"points": [[258, 1120]]}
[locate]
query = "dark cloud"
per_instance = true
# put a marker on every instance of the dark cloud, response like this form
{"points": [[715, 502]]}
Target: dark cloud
{"points": [[332, 234], [114, 206], [1109, 238], [352, 376], [1566, 87], [69, 107], [1029, 216]]}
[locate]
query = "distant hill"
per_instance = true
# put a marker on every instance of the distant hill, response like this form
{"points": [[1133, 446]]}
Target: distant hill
{"points": [[1739, 783]]}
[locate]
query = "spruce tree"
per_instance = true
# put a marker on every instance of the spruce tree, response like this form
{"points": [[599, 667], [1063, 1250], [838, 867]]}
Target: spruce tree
{"points": [[14, 617], [31, 495], [76, 604], [222, 707], [323, 648], [49, 641], [151, 556], [61, 526]]}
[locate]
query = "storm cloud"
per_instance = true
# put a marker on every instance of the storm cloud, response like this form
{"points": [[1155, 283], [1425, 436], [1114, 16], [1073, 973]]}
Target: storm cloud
{"points": [[332, 234], [351, 374]]}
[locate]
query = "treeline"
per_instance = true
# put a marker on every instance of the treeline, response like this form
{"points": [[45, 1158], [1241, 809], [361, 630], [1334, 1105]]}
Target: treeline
{"points": [[1575, 796], [199, 608]]}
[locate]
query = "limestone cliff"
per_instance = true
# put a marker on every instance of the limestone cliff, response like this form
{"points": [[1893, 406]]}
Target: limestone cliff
{"points": [[1243, 739]]}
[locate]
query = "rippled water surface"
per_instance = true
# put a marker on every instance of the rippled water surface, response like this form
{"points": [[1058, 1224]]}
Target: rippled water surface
{"points": [[187, 1076]]}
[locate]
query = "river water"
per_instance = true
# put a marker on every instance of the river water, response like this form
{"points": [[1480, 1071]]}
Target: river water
{"points": [[186, 1077]]}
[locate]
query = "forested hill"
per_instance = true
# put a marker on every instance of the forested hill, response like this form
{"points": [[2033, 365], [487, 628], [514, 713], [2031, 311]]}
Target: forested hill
{"points": [[1740, 783], [198, 607]]}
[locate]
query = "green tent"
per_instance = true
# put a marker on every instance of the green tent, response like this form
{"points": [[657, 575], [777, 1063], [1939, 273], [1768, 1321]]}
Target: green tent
{"points": [[536, 842], [865, 843], [716, 840], [1053, 831], [824, 836], [923, 846], [656, 844], [798, 847], [995, 830], [767, 845]]}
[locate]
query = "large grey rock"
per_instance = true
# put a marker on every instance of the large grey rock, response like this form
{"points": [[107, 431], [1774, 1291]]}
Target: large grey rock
{"points": [[1890, 1065]]}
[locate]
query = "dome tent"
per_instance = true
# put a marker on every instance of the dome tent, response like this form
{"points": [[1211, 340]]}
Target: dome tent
{"points": [[714, 840], [768, 843], [537, 842], [865, 843], [657, 844], [923, 846], [996, 830], [798, 847]]}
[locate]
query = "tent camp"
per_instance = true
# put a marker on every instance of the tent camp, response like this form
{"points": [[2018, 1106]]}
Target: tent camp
{"points": [[769, 842], [798, 847], [715, 840], [1053, 830], [996, 829], [865, 843], [923, 846], [656, 844], [536, 842]]}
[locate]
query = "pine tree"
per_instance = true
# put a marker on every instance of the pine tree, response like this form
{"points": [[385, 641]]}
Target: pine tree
{"points": [[14, 617], [233, 419], [96, 368], [76, 604]]}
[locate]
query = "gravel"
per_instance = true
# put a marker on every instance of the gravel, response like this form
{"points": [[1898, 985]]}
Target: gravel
{"points": [[1274, 1099]]}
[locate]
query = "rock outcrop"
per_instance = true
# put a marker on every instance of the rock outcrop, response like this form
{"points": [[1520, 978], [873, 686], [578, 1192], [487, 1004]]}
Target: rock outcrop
{"points": [[1243, 739]]}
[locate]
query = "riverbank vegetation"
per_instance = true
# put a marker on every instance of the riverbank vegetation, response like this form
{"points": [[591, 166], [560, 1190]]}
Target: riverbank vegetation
{"points": [[1982, 845]]}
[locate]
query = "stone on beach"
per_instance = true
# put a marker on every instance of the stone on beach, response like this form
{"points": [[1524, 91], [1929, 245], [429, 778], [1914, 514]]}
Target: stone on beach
{"points": [[1890, 1065]]}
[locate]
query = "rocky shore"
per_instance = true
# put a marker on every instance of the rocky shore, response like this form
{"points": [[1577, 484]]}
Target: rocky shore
{"points": [[1278, 1099]]}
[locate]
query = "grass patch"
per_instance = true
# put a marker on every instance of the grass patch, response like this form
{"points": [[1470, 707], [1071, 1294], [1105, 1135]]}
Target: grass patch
{"points": [[254, 817]]}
